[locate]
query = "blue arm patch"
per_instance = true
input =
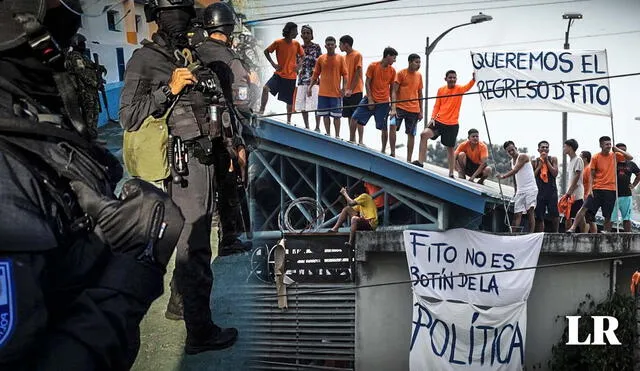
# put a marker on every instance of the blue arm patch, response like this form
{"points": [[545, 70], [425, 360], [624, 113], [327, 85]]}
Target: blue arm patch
{"points": [[7, 302]]}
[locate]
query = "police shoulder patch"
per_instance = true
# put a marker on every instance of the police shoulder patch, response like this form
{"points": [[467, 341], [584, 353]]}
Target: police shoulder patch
{"points": [[7, 302]]}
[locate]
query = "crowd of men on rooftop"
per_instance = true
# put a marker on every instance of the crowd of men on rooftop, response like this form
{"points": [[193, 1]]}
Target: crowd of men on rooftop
{"points": [[331, 85]]}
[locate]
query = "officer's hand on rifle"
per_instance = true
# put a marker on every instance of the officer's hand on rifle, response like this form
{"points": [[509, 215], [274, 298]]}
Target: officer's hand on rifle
{"points": [[180, 78], [144, 224]]}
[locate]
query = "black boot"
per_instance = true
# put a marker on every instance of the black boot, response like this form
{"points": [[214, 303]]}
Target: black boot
{"points": [[175, 308], [220, 338]]}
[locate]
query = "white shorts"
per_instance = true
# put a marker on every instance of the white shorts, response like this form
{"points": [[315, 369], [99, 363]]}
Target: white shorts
{"points": [[524, 201], [304, 102]]}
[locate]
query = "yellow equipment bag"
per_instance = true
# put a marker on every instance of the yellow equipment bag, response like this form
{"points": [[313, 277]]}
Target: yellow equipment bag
{"points": [[145, 150]]}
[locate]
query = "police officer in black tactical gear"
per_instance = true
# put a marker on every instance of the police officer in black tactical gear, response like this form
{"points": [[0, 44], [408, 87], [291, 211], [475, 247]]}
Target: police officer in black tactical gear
{"points": [[78, 267], [87, 78], [159, 77], [215, 52]]}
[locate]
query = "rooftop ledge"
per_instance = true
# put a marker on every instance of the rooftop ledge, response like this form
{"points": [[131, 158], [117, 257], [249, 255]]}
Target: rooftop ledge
{"points": [[553, 243]]}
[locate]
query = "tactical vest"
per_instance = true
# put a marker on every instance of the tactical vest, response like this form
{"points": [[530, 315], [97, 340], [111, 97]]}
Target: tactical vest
{"points": [[55, 156], [242, 93]]}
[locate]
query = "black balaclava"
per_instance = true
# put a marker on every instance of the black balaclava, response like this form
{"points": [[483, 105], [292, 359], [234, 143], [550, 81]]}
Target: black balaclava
{"points": [[173, 24]]}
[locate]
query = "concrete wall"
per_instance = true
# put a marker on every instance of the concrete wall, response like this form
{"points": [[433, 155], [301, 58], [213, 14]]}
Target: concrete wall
{"points": [[383, 314]]}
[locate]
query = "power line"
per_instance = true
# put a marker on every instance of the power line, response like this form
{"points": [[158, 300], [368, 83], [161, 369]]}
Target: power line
{"points": [[428, 13], [292, 4], [520, 42], [322, 11], [441, 277], [403, 7], [463, 94]]}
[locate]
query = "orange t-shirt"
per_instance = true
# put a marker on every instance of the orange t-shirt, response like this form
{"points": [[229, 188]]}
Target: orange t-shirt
{"points": [[586, 180], [379, 201], [605, 171], [447, 109], [354, 60], [409, 84], [332, 68], [475, 155], [381, 80], [286, 54]]}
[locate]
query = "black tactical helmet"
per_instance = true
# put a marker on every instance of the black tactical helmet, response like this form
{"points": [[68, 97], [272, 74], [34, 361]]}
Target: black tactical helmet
{"points": [[78, 42], [219, 17], [61, 21], [151, 7]]}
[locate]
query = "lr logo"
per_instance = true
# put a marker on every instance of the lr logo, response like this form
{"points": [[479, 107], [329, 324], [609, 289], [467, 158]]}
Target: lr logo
{"points": [[599, 331]]}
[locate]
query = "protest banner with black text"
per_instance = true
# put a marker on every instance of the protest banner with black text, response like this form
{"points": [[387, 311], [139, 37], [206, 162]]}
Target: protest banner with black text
{"points": [[565, 80], [485, 328]]}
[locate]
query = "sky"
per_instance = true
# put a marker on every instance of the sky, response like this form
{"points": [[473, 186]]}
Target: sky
{"points": [[517, 25]]}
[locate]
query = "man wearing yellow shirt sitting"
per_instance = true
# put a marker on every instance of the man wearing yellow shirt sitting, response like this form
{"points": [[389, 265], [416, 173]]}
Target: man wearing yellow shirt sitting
{"points": [[363, 213]]}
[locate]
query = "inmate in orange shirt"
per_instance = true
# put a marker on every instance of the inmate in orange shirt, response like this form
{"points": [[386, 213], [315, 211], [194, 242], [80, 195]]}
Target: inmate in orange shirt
{"points": [[586, 180], [286, 56], [474, 155], [354, 60], [447, 109], [331, 67], [605, 171], [381, 80], [409, 84]]}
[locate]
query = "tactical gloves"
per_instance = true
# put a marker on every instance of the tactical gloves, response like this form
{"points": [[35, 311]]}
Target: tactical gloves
{"points": [[145, 223]]}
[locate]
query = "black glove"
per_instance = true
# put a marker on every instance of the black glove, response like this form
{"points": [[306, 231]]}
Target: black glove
{"points": [[145, 224]]}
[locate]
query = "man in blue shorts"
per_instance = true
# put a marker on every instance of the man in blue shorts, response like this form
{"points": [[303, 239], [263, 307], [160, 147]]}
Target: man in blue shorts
{"points": [[624, 203], [283, 82], [408, 90], [333, 69], [380, 78]]}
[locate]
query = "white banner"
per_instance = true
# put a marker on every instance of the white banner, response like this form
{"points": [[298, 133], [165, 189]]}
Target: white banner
{"points": [[525, 80], [457, 336], [443, 261], [487, 330]]}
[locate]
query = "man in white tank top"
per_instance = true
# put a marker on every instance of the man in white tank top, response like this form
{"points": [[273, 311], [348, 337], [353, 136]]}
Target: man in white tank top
{"points": [[525, 185]]}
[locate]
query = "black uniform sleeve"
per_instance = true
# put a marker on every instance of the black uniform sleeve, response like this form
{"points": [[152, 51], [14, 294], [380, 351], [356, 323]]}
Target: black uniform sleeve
{"points": [[21, 223], [139, 97], [101, 326], [95, 329]]}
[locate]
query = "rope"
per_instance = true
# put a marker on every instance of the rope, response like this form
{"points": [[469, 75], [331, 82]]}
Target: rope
{"points": [[460, 94], [493, 157], [319, 11], [440, 277]]}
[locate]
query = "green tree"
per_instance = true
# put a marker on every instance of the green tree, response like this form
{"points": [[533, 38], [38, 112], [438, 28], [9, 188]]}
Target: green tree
{"points": [[609, 357], [437, 155]]}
